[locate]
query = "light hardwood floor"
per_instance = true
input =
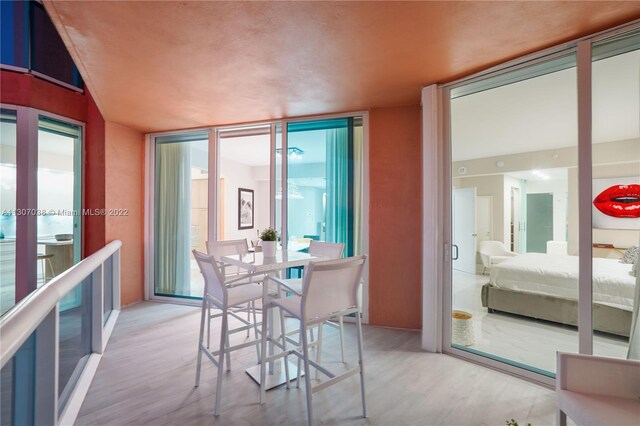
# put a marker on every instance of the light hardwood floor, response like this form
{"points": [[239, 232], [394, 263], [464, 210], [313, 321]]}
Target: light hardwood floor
{"points": [[147, 372]]}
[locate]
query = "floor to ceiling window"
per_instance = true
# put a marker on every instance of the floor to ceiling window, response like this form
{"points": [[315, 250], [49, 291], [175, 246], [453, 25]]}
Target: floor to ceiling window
{"points": [[324, 182], [181, 212], [48, 208], [513, 143], [8, 167], [515, 194], [59, 196], [616, 192]]}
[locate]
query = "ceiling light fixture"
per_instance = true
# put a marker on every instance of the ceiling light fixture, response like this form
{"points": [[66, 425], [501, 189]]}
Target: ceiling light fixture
{"points": [[540, 174], [293, 153]]}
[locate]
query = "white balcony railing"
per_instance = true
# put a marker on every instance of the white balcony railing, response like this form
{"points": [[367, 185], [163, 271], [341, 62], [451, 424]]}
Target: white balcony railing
{"points": [[52, 341]]}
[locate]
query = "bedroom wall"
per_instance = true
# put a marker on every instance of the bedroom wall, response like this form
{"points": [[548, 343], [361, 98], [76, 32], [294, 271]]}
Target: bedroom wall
{"points": [[611, 159], [237, 175], [617, 237]]}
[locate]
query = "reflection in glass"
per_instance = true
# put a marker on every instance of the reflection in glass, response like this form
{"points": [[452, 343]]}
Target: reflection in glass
{"points": [[7, 206], [6, 394], [59, 195], [17, 380], [74, 340], [181, 209], [616, 194], [514, 215], [107, 282], [324, 183]]}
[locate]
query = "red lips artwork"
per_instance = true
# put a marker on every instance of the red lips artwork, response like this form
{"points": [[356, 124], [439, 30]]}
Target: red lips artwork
{"points": [[619, 201]]}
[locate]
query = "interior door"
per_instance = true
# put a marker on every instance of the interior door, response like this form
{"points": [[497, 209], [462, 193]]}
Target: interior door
{"points": [[464, 230], [484, 216]]}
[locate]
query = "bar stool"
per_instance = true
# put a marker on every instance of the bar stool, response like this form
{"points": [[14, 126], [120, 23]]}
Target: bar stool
{"points": [[46, 260], [330, 288], [231, 301], [329, 251]]}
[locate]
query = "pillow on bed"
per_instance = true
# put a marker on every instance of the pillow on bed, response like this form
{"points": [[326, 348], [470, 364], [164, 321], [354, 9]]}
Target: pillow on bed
{"points": [[630, 255]]}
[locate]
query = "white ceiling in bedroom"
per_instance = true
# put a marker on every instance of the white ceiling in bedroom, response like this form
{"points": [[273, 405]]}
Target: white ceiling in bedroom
{"points": [[541, 113]]}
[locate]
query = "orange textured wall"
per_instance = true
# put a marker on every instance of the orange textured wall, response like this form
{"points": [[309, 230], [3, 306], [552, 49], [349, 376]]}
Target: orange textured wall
{"points": [[124, 184], [395, 212]]}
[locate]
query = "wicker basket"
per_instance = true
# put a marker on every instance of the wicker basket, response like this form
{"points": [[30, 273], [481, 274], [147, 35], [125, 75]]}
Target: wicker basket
{"points": [[462, 328]]}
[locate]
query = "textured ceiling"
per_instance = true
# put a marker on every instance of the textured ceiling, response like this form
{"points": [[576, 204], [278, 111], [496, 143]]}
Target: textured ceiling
{"points": [[170, 65]]}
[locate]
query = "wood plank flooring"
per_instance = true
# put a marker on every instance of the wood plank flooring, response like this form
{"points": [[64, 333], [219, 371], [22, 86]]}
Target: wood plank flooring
{"points": [[147, 372]]}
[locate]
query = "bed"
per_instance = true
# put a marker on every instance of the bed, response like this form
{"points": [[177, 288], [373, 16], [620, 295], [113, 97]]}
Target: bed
{"points": [[545, 287]]}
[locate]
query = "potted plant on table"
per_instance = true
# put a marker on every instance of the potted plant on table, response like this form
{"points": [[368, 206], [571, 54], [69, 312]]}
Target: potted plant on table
{"points": [[269, 238]]}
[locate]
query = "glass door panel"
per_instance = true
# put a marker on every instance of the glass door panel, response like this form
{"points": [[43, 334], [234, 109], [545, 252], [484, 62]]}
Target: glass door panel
{"points": [[244, 170], [616, 195], [323, 189], [7, 209], [59, 216], [277, 185], [513, 200], [181, 212]]}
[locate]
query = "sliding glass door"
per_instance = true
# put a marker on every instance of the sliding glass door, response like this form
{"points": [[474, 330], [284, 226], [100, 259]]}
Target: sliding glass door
{"points": [[524, 281], [615, 195], [8, 193], [41, 199], [244, 182], [514, 142], [323, 182], [181, 213], [303, 178]]}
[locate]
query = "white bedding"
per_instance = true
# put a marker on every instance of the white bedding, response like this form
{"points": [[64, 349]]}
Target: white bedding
{"points": [[613, 283]]}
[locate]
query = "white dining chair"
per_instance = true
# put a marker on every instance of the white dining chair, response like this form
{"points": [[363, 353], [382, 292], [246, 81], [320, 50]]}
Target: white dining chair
{"points": [[329, 289], [492, 253], [231, 301], [233, 276], [326, 250]]}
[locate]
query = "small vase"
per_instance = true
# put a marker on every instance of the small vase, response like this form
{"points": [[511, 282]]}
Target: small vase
{"points": [[269, 248]]}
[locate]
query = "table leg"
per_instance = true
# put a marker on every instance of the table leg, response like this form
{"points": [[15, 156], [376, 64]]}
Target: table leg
{"points": [[275, 369]]}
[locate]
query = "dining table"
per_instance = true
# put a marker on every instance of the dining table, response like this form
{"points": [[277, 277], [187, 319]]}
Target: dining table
{"points": [[255, 263]]}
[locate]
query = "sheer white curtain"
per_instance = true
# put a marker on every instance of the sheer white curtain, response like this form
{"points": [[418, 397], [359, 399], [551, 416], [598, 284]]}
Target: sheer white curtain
{"points": [[173, 218], [357, 189], [337, 211]]}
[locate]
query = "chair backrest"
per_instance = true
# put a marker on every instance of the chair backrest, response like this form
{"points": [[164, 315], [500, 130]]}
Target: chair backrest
{"points": [[492, 248], [217, 249], [325, 249], [213, 282], [331, 286]]}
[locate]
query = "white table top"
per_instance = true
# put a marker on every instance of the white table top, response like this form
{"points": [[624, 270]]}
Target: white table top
{"points": [[257, 263]]}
